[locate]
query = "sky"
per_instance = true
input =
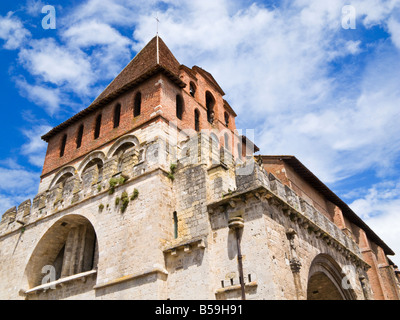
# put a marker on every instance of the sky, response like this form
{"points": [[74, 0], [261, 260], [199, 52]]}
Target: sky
{"points": [[319, 80]]}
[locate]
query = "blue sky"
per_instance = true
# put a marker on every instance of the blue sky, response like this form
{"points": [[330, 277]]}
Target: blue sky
{"points": [[307, 86]]}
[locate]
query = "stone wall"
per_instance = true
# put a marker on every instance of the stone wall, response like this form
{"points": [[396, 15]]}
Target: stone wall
{"points": [[283, 239]]}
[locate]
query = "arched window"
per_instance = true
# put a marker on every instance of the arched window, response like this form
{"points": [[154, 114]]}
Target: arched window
{"points": [[226, 116], [179, 106], [197, 120], [192, 89], [97, 127], [92, 173], [227, 144], [117, 115], [210, 102], [79, 137], [63, 143], [239, 150], [137, 104]]}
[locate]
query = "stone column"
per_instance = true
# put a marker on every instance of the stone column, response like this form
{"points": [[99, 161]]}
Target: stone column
{"points": [[295, 264], [74, 251]]}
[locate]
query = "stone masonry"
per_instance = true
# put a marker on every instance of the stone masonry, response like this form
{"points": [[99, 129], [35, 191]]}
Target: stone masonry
{"points": [[171, 203]]}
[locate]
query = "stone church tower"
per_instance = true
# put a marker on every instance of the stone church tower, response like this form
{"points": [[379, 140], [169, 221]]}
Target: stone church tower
{"points": [[152, 193]]}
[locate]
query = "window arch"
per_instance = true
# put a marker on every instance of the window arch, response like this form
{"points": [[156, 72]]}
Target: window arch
{"points": [[210, 102], [79, 137], [179, 106], [97, 127], [325, 280], [239, 150], [192, 89], [63, 143], [197, 120], [92, 172], [226, 141], [117, 115], [137, 104], [226, 116]]}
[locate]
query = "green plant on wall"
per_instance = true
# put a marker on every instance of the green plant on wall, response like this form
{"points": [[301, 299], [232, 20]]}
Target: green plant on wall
{"points": [[125, 201], [172, 169], [135, 194], [113, 183]]}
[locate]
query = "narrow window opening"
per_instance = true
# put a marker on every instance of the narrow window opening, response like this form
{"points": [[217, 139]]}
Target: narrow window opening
{"points": [[179, 106], [226, 136], [197, 120], [249, 277], [210, 102], [97, 127], [239, 150], [192, 89], [117, 115], [79, 137], [63, 143], [137, 104], [175, 225], [226, 115]]}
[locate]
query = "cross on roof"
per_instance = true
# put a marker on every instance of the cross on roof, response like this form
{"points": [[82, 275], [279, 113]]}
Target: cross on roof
{"points": [[158, 21]]}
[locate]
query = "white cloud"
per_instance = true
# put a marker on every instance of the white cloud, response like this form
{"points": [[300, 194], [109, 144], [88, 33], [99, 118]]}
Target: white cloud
{"points": [[109, 49], [275, 66], [394, 30], [12, 32], [18, 180], [379, 207], [49, 98], [58, 65], [35, 148], [34, 7]]}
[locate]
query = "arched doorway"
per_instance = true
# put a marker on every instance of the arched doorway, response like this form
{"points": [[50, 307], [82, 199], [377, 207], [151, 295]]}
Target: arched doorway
{"points": [[325, 280]]}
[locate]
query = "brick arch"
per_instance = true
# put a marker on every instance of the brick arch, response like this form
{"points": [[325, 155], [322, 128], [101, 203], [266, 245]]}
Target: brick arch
{"points": [[68, 171], [325, 280], [90, 157], [51, 246], [120, 142]]}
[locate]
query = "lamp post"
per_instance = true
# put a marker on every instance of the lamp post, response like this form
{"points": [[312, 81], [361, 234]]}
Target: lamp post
{"points": [[236, 224]]}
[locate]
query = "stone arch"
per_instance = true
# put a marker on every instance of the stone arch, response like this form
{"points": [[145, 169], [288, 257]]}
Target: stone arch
{"points": [[325, 280], [70, 246], [62, 174], [125, 139], [90, 157]]}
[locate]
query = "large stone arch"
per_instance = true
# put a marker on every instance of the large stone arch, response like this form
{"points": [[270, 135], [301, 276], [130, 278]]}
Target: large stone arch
{"points": [[325, 280], [90, 157], [121, 141], [66, 171], [58, 247]]}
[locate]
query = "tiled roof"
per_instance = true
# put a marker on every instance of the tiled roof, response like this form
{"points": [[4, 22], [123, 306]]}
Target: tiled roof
{"points": [[155, 57], [318, 185]]}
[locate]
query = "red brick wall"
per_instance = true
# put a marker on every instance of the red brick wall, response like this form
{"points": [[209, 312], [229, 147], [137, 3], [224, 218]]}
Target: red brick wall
{"points": [[150, 99], [158, 90]]}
